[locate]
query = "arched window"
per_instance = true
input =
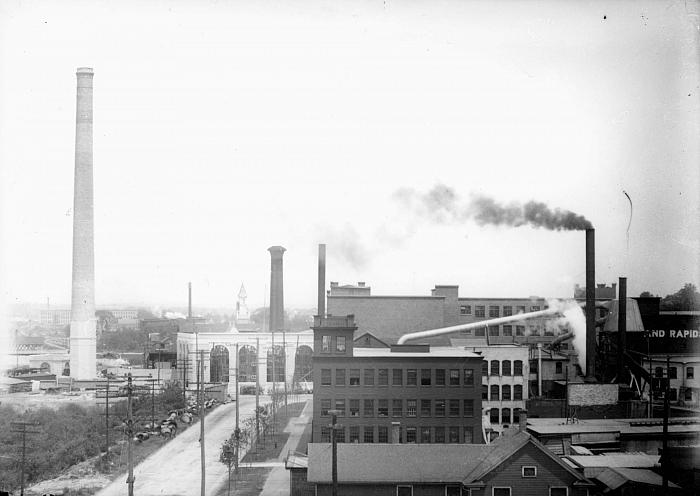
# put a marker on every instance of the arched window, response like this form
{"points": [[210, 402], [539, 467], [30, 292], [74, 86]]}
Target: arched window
{"points": [[219, 364], [518, 392], [495, 367], [518, 367], [494, 392], [247, 363], [484, 368], [505, 416], [279, 363], [506, 367], [66, 369], [485, 393], [493, 416], [45, 367], [303, 364], [505, 392]]}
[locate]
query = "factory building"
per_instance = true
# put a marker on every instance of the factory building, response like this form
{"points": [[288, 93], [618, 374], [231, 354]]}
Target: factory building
{"points": [[505, 374], [405, 393], [388, 317]]}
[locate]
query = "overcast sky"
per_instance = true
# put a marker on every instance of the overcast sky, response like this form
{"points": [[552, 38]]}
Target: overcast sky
{"points": [[222, 128]]}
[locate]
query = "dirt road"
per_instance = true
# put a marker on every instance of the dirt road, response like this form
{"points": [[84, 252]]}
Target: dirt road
{"points": [[175, 469]]}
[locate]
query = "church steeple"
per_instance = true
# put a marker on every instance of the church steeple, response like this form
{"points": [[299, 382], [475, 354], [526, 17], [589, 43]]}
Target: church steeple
{"points": [[243, 322]]}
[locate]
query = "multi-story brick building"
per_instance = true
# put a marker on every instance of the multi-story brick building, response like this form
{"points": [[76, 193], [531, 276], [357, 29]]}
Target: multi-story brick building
{"points": [[388, 317], [405, 393], [504, 382]]}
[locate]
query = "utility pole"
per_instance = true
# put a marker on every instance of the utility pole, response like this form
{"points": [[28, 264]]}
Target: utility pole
{"points": [[130, 439], [284, 365], [334, 451], [106, 414], [201, 419], [153, 396], [257, 390], [274, 384], [664, 449], [237, 432], [21, 427]]}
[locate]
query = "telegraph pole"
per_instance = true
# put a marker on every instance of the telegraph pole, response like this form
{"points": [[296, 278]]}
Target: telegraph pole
{"points": [[106, 414], [274, 383], [21, 427], [284, 365], [201, 418], [334, 451], [237, 432], [257, 390], [664, 449], [130, 440]]}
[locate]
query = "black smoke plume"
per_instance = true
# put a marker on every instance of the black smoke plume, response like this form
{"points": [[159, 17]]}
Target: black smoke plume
{"points": [[442, 204]]}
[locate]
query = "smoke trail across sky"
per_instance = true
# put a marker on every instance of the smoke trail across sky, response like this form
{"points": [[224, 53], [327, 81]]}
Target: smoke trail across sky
{"points": [[442, 205]]}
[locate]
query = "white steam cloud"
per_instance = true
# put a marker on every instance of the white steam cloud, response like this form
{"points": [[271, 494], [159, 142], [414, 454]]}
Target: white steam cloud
{"points": [[575, 319]]}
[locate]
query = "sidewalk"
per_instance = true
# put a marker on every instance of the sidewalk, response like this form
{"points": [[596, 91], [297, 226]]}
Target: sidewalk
{"points": [[277, 483]]}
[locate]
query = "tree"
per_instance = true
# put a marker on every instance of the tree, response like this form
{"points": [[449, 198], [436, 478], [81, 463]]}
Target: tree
{"points": [[228, 456], [686, 298], [646, 294]]}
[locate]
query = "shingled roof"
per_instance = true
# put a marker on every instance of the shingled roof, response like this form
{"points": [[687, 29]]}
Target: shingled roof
{"points": [[428, 463]]}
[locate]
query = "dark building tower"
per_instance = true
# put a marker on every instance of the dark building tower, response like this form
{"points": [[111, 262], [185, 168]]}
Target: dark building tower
{"points": [[276, 288]]}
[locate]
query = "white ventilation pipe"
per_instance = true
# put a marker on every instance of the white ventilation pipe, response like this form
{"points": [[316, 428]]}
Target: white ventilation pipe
{"points": [[482, 323]]}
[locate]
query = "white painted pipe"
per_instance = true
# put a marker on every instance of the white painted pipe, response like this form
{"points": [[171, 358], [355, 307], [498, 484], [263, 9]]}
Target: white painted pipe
{"points": [[475, 325]]}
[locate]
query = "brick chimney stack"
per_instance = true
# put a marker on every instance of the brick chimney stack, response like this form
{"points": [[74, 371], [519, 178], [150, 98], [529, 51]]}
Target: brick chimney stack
{"points": [[276, 288], [82, 327]]}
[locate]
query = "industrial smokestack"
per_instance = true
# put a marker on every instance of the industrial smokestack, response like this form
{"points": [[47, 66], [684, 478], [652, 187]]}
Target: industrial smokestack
{"points": [[590, 305], [321, 280], [276, 288], [621, 329], [82, 326]]}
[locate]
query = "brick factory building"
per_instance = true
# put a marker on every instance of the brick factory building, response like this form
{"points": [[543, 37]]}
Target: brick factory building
{"points": [[405, 393], [388, 317]]}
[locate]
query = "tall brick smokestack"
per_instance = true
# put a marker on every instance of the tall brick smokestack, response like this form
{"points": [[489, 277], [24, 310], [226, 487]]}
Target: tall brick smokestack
{"points": [[82, 326], [276, 288], [590, 305], [621, 330], [321, 280]]}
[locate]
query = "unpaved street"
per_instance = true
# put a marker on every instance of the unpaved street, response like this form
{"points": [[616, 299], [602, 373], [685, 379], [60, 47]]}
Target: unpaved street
{"points": [[175, 469]]}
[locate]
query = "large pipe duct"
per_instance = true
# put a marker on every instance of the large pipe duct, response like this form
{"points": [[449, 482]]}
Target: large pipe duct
{"points": [[82, 326], [590, 305], [276, 288], [475, 325], [621, 329], [321, 280]]}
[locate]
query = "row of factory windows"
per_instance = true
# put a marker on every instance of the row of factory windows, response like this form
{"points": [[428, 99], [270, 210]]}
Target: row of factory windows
{"points": [[398, 407], [408, 434], [507, 330], [504, 391], [400, 377], [673, 372], [495, 310], [497, 367]]}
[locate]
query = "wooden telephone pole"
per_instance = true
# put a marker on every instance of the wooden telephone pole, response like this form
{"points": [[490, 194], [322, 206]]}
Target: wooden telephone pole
{"points": [[22, 428], [130, 436]]}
